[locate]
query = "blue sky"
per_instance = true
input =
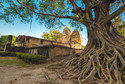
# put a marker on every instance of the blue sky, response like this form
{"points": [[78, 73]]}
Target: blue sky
{"points": [[36, 29]]}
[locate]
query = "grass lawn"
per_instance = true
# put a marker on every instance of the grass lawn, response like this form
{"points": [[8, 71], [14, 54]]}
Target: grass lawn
{"points": [[7, 61]]}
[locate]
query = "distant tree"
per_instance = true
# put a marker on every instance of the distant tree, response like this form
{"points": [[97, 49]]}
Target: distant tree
{"points": [[3, 40], [119, 24], [52, 35], [0, 43], [45, 36], [13, 41]]}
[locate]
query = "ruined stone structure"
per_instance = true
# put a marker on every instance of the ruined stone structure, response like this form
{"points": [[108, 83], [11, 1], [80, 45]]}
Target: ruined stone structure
{"points": [[28, 41], [59, 37], [54, 52], [66, 44], [66, 35], [73, 39]]}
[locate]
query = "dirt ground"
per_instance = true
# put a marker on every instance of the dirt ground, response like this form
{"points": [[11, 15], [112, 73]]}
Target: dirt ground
{"points": [[34, 74]]}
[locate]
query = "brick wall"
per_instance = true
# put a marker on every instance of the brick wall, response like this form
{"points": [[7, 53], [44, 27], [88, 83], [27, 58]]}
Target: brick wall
{"points": [[33, 42], [53, 51]]}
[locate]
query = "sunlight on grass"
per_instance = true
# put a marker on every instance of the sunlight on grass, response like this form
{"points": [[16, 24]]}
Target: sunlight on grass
{"points": [[6, 61]]}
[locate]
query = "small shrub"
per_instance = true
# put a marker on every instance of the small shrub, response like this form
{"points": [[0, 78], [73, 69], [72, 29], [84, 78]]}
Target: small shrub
{"points": [[29, 58], [7, 54]]}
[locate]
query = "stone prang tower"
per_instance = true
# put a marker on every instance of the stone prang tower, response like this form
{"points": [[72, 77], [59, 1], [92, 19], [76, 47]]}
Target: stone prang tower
{"points": [[73, 40]]}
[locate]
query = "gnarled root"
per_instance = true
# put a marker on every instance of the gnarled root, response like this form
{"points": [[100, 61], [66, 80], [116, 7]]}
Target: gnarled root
{"points": [[103, 60], [105, 65]]}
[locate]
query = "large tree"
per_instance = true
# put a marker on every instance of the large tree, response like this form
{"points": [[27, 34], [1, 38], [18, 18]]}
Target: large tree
{"points": [[103, 58], [3, 40]]}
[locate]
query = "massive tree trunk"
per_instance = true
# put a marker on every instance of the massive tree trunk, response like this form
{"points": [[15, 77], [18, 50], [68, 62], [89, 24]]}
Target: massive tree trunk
{"points": [[102, 60]]}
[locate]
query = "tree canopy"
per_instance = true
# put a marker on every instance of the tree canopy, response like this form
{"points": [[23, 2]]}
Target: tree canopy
{"points": [[50, 11], [119, 24], [52, 35], [3, 40], [13, 41]]}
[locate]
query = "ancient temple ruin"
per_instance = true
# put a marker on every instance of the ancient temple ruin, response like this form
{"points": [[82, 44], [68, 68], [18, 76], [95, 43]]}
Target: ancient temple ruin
{"points": [[73, 39], [66, 44], [66, 35]]}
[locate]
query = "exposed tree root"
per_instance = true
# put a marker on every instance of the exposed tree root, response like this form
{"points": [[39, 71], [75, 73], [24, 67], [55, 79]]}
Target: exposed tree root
{"points": [[96, 67], [103, 61]]}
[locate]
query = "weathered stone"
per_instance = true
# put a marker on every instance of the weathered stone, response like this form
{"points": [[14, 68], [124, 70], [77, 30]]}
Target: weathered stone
{"points": [[52, 51], [63, 46], [59, 37], [75, 39], [66, 35]]}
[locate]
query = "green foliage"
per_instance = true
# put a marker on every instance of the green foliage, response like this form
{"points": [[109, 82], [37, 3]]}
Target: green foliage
{"points": [[77, 25], [83, 18], [13, 41], [46, 10], [119, 24], [45, 35], [3, 40], [52, 35], [82, 47], [7, 54], [12, 10], [29, 58]]}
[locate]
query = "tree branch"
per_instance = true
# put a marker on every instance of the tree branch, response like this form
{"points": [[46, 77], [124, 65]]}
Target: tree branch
{"points": [[57, 16], [77, 9], [113, 15], [73, 4], [123, 2], [121, 26]]}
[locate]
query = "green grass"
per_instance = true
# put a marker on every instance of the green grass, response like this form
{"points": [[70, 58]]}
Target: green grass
{"points": [[7, 61]]}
